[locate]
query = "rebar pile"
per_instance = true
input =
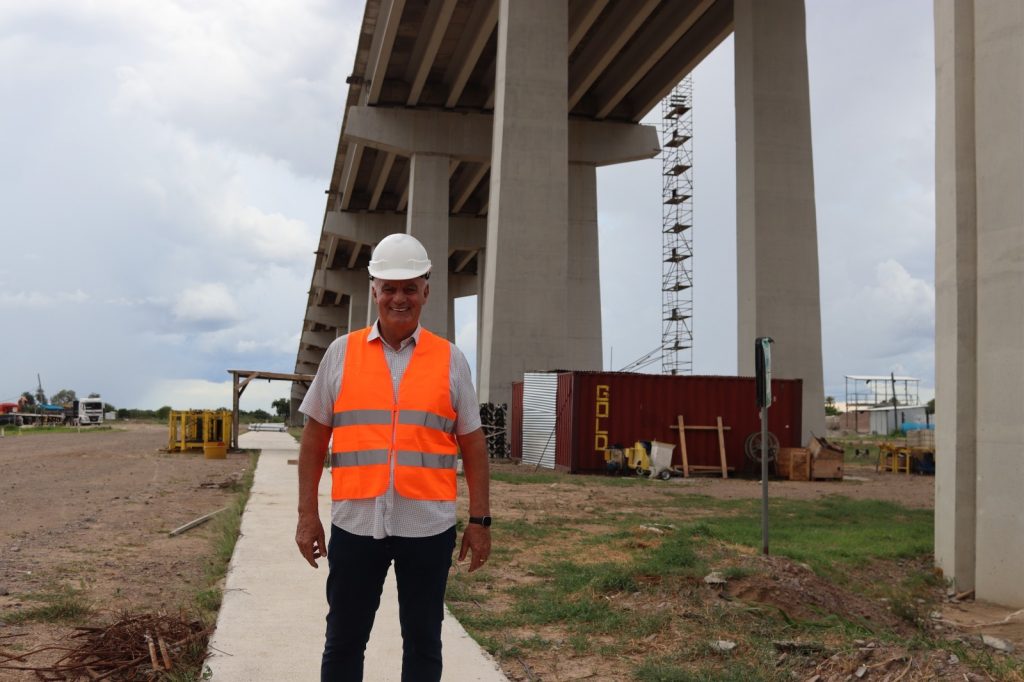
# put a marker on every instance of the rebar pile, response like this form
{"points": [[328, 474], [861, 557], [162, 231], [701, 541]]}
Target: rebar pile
{"points": [[134, 647], [493, 417]]}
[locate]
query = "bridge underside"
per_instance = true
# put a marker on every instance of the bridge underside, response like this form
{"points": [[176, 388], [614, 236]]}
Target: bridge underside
{"points": [[459, 129]]}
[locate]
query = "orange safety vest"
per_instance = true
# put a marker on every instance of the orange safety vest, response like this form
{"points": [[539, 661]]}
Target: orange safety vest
{"points": [[371, 428]]}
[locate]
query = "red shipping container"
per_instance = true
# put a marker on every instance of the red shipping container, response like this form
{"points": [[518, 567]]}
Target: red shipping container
{"points": [[516, 422], [598, 410]]}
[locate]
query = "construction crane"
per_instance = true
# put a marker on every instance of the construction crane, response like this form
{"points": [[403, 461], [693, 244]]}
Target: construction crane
{"points": [[40, 395]]}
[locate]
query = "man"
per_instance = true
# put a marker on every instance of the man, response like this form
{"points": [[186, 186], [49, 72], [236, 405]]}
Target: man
{"points": [[398, 405]]}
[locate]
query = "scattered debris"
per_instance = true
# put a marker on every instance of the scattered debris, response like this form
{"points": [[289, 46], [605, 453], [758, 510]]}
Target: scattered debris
{"points": [[196, 522], [231, 481], [715, 578], [997, 644], [963, 596], [861, 672], [798, 647], [652, 529], [724, 645], [124, 650]]}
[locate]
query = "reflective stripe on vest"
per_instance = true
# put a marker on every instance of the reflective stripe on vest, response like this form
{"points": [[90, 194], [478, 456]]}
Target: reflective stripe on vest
{"points": [[373, 433], [411, 417], [405, 458]]}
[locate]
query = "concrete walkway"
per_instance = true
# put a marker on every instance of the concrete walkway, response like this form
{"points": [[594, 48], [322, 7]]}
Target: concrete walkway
{"points": [[271, 622]]}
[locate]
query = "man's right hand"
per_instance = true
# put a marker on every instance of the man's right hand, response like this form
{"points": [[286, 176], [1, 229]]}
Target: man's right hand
{"points": [[309, 536]]}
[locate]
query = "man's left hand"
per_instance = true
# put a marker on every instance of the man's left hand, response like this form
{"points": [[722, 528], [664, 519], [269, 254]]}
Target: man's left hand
{"points": [[476, 538]]}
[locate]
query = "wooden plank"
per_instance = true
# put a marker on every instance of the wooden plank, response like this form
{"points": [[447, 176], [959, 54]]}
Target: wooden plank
{"points": [[701, 428], [721, 448], [192, 524], [682, 445]]}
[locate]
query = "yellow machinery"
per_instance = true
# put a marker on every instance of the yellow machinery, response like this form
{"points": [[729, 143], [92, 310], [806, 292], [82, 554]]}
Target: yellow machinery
{"points": [[905, 459], [196, 429], [634, 460]]}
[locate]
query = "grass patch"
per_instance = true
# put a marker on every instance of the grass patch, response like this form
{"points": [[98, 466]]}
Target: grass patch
{"points": [[521, 529], [830, 531], [225, 532], [732, 671], [64, 604], [31, 430], [530, 477], [621, 592]]}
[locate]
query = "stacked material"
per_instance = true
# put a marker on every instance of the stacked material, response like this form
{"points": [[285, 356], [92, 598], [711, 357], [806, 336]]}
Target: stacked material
{"points": [[921, 438]]}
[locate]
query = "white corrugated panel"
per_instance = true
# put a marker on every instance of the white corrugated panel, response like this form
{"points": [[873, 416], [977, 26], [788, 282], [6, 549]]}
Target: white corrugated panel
{"points": [[539, 418]]}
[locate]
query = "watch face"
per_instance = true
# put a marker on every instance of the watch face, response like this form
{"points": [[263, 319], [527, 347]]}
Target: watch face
{"points": [[484, 521]]}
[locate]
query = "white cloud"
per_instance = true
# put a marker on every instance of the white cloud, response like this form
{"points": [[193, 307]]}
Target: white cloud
{"points": [[199, 394], [179, 143], [39, 299], [270, 237], [207, 307], [884, 325]]}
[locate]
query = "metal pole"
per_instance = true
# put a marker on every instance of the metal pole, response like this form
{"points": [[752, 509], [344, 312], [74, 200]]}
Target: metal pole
{"points": [[234, 410], [764, 480], [895, 405]]}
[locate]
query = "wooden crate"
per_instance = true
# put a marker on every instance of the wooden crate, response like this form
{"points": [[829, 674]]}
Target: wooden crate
{"points": [[827, 465], [826, 459], [923, 438], [793, 464]]}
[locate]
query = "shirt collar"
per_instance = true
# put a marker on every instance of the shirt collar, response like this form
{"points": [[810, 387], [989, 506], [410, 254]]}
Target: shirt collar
{"points": [[375, 334]]}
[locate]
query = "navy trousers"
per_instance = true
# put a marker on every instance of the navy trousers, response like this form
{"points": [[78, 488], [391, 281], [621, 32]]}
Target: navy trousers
{"points": [[358, 565]]}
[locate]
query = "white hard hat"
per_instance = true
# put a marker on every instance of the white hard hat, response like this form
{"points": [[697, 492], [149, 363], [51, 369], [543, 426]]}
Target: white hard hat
{"points": [[399, 256]]}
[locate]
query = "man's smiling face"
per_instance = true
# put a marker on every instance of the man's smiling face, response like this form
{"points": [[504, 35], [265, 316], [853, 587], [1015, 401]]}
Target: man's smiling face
{"points": [[399, 304]]}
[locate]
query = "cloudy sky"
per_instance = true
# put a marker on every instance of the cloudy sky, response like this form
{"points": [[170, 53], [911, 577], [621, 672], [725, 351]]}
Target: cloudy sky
{"points": [[162, 188]]}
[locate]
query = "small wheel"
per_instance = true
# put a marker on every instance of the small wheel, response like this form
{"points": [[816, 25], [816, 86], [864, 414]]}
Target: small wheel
{"points": [[665, 475], [640, 471], [752, 447]]}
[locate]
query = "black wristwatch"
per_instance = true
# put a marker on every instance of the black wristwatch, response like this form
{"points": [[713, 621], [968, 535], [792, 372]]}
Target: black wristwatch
{"points": [[484, 521]]}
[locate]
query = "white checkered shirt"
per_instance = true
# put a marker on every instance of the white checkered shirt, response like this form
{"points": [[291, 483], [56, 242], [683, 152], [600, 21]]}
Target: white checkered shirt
{"points": [[391, 514]]}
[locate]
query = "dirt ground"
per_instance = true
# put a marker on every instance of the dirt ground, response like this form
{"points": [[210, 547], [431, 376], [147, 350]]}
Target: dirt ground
{"points": [[783, 584], [92, 511]]}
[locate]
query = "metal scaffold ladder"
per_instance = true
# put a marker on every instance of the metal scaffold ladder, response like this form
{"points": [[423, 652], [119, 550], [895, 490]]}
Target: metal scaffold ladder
{"points": [[677, 230]]}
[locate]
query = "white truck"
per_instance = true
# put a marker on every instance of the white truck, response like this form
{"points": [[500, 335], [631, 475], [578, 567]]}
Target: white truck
{"points": [[85, 412]]}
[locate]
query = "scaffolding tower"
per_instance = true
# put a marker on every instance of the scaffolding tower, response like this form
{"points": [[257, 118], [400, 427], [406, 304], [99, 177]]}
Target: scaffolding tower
{"points": [[677, 232]]}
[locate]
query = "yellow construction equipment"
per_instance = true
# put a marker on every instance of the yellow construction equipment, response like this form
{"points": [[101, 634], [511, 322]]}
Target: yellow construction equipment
{"points": [[198, 429], [634, 460]]}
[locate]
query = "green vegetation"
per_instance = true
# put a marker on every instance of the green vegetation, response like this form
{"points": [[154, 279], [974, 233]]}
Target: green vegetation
{"points": [[629, 588], [530, 477], [732, 671], [225, 532], [30, 430], [61, 604], [826, 533]]}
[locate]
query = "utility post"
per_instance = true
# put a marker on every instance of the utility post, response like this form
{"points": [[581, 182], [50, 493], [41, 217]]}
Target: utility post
{"points": [[763, 368]]}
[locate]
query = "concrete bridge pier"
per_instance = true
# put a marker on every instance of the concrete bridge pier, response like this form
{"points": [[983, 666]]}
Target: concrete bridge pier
{"points": [[979, 273], [526, 279], [427, 220], [777, 238]]}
